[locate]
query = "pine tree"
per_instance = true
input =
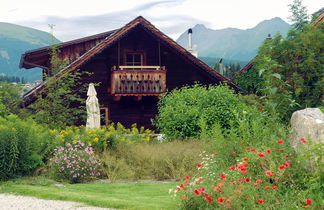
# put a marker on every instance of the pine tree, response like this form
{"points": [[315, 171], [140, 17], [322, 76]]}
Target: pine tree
{"points": [[299, 15]]}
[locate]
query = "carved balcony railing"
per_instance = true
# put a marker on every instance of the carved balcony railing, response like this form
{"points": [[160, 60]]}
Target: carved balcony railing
{"points": [[138, 80]]}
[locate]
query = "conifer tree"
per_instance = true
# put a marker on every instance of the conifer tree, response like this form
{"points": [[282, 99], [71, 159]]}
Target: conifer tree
{"points": [[299, 16]]}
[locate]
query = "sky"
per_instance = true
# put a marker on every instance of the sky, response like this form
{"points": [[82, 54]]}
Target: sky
{"points": [[79, 18]]}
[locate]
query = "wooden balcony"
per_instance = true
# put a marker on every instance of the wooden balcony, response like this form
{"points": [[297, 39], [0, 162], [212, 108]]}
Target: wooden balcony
{"points": [[138, 80]]}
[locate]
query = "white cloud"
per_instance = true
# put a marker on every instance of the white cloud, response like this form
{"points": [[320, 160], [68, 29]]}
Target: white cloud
{"points": [[75, 18]]}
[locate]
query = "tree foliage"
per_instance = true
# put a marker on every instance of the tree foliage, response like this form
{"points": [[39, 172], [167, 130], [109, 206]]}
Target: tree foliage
{"points": [[61, 102], [299, 15], [290, 71]]}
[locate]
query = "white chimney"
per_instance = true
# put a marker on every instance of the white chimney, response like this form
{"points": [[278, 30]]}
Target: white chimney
{"points": [[190, 48]]}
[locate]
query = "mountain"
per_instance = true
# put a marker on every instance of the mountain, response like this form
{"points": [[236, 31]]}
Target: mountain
{"points": [[232, 43], [14, 41]]}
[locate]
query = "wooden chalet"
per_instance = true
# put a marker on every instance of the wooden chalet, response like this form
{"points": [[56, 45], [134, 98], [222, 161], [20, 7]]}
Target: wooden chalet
{"points": [[133, 65]]}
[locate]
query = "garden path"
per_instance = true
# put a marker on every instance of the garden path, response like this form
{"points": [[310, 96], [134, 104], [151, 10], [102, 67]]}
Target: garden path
{"points": [[17, 202]]}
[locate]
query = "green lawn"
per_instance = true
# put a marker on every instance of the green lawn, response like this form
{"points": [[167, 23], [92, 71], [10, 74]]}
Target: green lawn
{"points": [[117, 195]]}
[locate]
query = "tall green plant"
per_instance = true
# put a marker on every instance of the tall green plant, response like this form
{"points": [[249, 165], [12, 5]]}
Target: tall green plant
{"points": [[61, 102], [23, 146]]}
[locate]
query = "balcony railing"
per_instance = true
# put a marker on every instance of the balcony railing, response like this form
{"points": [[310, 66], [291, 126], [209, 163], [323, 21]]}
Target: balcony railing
{"points": [[138, 80]]}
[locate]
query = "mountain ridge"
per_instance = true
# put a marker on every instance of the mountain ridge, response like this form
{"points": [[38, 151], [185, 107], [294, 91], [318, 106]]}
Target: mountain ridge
{"points": [[14, 41], [233, 43]]}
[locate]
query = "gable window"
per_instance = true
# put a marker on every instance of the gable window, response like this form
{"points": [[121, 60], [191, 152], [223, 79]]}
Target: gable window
{"points": [[134, 59]]}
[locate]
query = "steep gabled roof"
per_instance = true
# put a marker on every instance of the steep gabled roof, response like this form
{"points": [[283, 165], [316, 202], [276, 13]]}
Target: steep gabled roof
{"points": [[120, 33], [91, 40], [247, 67]]}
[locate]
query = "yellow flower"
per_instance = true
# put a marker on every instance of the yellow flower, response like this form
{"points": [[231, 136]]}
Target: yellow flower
{"points": [[95, 139], [75, 141], [147, 138]]}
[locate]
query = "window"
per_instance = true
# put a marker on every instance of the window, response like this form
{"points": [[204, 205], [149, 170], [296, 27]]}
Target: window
{"points": [[134, 59]]}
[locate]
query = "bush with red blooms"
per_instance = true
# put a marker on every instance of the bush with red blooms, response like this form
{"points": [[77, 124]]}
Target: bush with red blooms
{"points": [[256, 181]]}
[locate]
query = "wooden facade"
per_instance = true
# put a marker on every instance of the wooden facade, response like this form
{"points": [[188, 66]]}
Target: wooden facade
{"points": [[132, 65]]}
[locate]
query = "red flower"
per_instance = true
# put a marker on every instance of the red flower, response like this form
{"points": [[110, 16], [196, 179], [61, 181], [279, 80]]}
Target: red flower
{"points": [[241, 180], [197, 192], [286, 156], [274, 187], [268, 151], [246, 148], [258, 181], [218, 189], [209, 199], [287, 163], [221, 200], [178, 188], [280, 150], [220, 185], [308, 201], [245, 159], [234, 183], [306, 207], [280, 141], [245, 164], [223, 177], [302, 140], [260, 154], [260, 201], [232, 168], [186, 181], [234, 153], [201, 189], [269, 173], [199, 165], [183, 197], [183, 187], [252, 149], [187, 177], [247, 179], [267, 187]]}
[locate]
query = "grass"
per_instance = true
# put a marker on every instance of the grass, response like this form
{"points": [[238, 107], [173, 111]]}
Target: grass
{"points": [[101, 194]]}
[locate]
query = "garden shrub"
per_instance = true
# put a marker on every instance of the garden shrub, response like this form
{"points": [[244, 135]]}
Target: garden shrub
{"points": [[23, 146], [262, 177], [183, 111], [74, 162]]}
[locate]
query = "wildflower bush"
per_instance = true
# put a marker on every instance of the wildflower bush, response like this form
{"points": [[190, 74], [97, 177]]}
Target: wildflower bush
{"points": [[261, 177], [75, 162], [24, 146], [104, 138]]}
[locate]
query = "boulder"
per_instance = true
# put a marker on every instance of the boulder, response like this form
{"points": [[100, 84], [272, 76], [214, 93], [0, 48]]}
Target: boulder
{"points": [[309, 124], [307, 137]]}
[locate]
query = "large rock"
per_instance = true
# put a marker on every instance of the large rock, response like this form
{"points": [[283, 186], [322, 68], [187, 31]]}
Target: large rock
{"points": [[309, 125]]}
